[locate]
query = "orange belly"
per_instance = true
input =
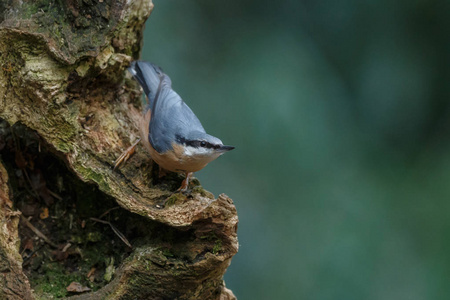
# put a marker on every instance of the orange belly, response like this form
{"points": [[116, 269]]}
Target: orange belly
{"points": [[175, 160]]}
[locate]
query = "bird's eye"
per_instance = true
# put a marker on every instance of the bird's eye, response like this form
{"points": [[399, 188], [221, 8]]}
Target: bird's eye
{"points": [[203, 143]]}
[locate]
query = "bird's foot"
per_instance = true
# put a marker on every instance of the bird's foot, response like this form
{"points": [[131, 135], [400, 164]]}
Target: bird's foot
{"points": [[183, 189], [126, 154], [185, 184]]}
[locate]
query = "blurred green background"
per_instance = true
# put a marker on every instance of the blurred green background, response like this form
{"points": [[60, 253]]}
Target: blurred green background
{"points": [[340, 114]]}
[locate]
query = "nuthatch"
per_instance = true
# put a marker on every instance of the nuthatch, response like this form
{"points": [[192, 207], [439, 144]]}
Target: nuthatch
{"points": [[172, 133]]}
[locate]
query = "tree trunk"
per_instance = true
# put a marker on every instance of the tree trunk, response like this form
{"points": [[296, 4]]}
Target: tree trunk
{"points": [[66, 97]]}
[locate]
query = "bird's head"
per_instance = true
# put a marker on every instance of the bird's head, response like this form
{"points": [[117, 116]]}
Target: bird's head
{"points": [[202, 145]]}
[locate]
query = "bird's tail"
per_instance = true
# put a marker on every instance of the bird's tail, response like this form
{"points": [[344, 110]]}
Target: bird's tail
{"points": [[149, 76]]}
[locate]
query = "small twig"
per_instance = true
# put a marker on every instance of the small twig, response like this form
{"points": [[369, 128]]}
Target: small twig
{"points": [[116, 231], [54, 195], [67, 246], [70, 221], [120, 235], [100, 221], [38, 232], [27, 260], [108, 211], [126, 154]]}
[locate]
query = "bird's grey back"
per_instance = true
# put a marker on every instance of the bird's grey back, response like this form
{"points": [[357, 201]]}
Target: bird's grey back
{"points": [[172, 119]]}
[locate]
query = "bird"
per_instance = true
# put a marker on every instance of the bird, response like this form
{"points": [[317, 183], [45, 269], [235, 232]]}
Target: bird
{"points": [[170, 130]]}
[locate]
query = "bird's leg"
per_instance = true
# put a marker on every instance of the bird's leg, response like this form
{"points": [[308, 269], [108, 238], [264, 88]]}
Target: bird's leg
{"points": [[185, 184], [126, 154], [182, 189]]}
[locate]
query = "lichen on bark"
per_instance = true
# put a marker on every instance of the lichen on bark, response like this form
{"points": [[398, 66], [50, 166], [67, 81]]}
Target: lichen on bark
{"points": [[62, 75]]}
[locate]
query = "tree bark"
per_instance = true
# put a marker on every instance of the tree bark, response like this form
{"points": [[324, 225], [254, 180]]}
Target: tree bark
{"points": [[63, 76], [13, 283]]}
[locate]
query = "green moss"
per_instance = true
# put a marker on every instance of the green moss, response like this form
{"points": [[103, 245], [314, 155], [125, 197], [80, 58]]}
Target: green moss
{"points": [[204, 193], [217, 246], [77, 28], [51, 270], [63, 147], [77, 239], [147, 265], [29, 10], [194, 182], [54, 281], [12, 63], [176, 197], [110, 269], [138, 282], [212, 237], [94, 236], [90, 175], [167, 253], [3, 261]]}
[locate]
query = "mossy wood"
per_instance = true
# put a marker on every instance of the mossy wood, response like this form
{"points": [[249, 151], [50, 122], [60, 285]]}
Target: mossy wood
{"points": [[62, 75]]}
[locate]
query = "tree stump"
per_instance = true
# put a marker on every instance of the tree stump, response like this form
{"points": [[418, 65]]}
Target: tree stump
{"points": [[66, 95]]}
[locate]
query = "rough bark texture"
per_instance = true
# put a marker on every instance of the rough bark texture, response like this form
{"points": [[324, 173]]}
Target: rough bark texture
{"points": [[62, 74], [13, 283]]}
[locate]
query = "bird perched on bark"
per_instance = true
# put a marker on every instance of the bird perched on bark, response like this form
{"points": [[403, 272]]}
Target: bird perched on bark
{"points": [[171, 132]]}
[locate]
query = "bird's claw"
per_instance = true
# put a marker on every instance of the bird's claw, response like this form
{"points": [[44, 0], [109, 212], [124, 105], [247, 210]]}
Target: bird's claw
{"points": [[126, 154]]}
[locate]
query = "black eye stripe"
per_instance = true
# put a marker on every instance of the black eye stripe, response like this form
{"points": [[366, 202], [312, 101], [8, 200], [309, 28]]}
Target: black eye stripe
{"points": [[197, 143]]}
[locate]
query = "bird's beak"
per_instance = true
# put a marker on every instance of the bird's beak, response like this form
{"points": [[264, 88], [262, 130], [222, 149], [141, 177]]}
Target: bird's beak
{"points": [[225, 148]]}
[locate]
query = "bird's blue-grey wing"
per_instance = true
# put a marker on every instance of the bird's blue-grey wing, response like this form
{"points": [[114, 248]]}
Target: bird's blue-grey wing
{"points": [[171, 118]]}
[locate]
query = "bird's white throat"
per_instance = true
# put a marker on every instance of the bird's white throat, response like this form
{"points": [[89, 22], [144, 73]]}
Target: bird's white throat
{"points": [[201, 152]]}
